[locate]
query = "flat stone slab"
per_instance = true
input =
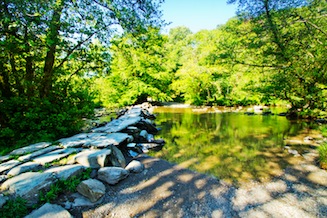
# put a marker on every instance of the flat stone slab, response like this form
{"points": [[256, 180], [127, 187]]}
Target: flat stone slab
{"points": [[112, 175], [9, 165], [50, 210], [54, 155], [93, 158], [118, 124], [79, 140], [28, 185], [66, 172], [110, 139], [29, 166], [30, 148], [30, 156], [4, 158]]}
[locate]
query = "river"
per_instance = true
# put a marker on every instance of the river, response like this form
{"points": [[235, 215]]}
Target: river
{"points": [[234, 147]]}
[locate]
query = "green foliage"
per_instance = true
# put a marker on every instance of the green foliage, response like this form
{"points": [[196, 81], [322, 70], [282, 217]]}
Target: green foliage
{"points": [[63, 186], [14, 208], [323, 155]]}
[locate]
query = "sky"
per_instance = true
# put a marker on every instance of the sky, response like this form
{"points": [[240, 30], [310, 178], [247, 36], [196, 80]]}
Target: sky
{"points": [[197, 14]]}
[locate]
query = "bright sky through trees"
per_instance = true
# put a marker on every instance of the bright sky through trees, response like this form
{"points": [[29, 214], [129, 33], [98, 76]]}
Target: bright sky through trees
{"points": [[196, 14]]}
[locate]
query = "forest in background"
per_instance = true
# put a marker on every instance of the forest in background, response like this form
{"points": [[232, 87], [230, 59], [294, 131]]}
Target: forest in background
{"points": [[61, 59]]}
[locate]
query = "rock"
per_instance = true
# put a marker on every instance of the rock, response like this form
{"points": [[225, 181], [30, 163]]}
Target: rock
{"points": [[81, 201], [146, 147], [143, 136], [135, 167], [94, 158], [50, 210], [110, 139], [79, 140], [117, 158], [29, 166], [3, 200], [118, 124], [28, 185], [9, 165], [66, 172], [92, 189], [54, 155], [3, 178], [4, 158], [30, 148], [112, 175], [30, 156]]}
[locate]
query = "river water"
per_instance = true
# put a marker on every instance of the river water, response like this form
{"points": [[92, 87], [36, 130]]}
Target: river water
{"points": [[234, 147]]}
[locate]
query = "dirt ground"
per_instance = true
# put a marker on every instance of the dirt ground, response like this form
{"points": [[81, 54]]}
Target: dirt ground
{"points": [[167, 190]]}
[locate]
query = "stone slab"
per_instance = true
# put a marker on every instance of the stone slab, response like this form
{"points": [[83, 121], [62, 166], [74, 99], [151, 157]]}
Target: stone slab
{"points": [[9, 165], [30, 148], [118, 124], [93, 158], [50, 211], [29, 166], [30, 156], [66, 172], [28, 185], [54, 155], [110, 139]]}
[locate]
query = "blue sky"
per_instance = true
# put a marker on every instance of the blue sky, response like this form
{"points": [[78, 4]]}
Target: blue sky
{"points": [[197, 14]]}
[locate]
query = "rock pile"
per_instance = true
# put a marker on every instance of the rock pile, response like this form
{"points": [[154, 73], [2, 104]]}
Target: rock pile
{"points": [[28, 171]]}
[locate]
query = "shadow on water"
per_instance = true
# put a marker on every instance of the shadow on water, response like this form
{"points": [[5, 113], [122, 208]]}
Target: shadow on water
{"points": [[231, 146]]}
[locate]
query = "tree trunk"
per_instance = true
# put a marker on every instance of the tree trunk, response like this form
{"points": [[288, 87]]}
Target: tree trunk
{"points": [[52, 42]]}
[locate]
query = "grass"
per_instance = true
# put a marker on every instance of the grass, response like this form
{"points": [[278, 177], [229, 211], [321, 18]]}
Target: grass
{"points": [[323, 155], [14, 208]]}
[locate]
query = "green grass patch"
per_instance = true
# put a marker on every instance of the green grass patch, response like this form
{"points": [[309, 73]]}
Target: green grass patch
{"points": [[323, 155], [14, 208]]}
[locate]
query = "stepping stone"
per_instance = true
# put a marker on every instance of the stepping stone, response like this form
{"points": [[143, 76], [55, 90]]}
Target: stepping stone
{"points": [[54, 155], [50, 210], [28, 185], [66, 172], [29, 166], [110, 139], [118, 124], [30, 156], [112, 175], [94, 158], [92, 189], [5, 158], [9, 165], [30, 148], [79, 140]]}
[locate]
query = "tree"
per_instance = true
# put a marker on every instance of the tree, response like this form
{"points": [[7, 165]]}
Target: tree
{"points": [[292, 37], [48, 49]]}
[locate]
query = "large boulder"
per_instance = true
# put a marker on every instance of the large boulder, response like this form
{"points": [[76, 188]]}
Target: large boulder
{"points": [[112, 175], [94, 158], [135, 167], [92, 189], [50, 210], [117, 158], [28, 185]]}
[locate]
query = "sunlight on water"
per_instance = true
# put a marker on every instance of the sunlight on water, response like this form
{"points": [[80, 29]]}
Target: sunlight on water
{"points": [[232, 146]]}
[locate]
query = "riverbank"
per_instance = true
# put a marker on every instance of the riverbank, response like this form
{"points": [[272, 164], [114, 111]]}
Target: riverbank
{"points": [[168, 190]]}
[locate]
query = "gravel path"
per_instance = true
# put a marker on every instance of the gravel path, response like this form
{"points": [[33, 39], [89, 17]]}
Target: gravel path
{"points": [[168, 190]]}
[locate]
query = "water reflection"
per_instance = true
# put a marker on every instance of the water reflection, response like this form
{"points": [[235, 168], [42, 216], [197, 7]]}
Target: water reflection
{"points": [[231, 146]]}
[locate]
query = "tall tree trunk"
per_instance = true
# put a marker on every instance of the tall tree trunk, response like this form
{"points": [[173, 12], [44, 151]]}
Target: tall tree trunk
{"points": [[52, 42], [29, 76]]}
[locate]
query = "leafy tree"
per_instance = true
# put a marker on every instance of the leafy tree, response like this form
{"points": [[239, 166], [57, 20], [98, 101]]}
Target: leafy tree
{"points": [[48, 51], [292, 39]]}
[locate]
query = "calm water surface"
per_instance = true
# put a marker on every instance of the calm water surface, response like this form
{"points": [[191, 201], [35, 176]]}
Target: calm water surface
{"points": [[231, 146]]}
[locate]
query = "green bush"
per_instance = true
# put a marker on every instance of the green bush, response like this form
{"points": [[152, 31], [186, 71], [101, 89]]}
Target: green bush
{"points": [[14, 208], [28, 120], [323, 155]]}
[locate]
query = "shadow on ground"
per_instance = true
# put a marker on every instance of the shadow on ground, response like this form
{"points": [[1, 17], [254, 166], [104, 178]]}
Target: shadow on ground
{"points": [[167, 190]]}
